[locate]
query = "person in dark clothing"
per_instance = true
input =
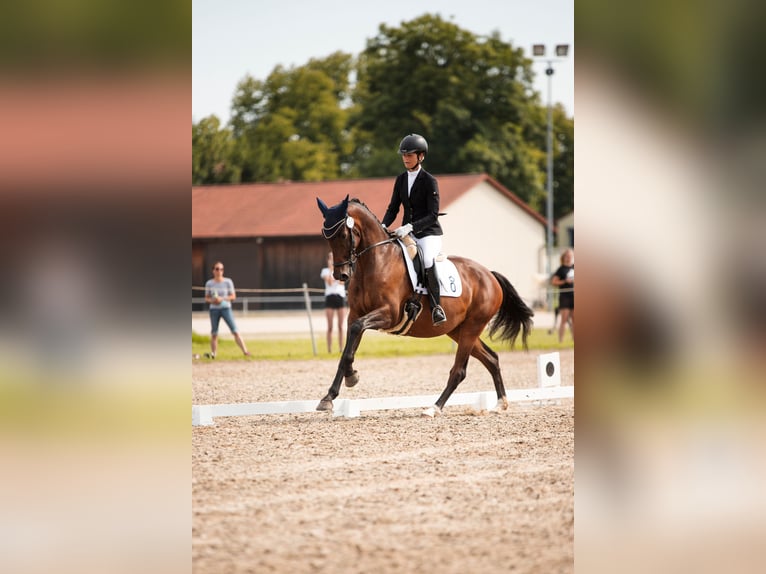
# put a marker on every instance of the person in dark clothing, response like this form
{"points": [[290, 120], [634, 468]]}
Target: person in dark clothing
{"points": [[417, 191], [563, 278]]}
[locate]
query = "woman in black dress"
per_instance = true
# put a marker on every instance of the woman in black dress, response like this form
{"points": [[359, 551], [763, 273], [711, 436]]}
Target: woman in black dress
{"points": [[563, 278]]}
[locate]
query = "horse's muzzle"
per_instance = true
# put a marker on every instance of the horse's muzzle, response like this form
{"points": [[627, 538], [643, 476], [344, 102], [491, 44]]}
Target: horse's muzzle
{"points": [[342, 273]]}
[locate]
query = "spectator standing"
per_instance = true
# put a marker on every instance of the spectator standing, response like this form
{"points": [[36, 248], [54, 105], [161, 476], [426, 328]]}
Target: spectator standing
{"points": [[563, 278], [334, 303], [219, 293]]}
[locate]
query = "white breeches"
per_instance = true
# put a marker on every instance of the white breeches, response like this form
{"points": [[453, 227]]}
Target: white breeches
{"points": [[431, 246]]}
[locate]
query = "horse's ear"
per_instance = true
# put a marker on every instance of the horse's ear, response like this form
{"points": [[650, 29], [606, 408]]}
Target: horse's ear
{"points": [[345, 203], [322, 207]]}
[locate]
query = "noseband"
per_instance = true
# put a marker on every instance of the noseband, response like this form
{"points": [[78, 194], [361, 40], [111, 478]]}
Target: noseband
{"points": [[330, 232]]}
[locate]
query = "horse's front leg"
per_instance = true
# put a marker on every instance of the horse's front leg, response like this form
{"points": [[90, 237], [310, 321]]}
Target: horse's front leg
{"points": [[356, 329], [374, 320], [345, 365]]}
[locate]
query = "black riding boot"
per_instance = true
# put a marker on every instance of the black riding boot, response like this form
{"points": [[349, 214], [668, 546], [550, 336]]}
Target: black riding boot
{"points": [[437, 313]]}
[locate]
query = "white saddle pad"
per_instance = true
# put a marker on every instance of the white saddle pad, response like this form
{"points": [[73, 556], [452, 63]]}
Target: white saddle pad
{"points": [[450, 284]]}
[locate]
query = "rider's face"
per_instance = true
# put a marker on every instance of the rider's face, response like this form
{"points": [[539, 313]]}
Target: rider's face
{"points": [[410, 160]]}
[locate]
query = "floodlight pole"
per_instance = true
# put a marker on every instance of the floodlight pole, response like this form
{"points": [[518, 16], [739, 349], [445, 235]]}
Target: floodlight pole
{"points": [[539, 50], [549, 198]]}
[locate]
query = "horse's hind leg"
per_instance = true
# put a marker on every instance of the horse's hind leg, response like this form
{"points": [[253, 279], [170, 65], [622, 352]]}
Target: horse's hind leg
{"points": [[456, 376], [490, 360], [457, 372]]}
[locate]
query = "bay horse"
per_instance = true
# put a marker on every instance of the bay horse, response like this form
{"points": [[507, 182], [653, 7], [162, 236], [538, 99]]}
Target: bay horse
{"points": [[369, 259]]}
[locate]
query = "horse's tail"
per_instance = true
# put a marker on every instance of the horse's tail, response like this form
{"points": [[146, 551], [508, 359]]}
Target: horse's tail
{"points": [[514, 315]]}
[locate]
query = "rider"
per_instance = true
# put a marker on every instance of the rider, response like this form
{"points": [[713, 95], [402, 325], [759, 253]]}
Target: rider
{"points": [[418, 191]]}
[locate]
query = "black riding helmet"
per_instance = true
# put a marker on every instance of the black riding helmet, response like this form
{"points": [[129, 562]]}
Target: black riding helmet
{"points": [[413, 143]]}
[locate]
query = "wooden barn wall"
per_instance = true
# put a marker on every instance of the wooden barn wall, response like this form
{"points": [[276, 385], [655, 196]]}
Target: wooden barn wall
{"points": [[199, 272], [265, 263]]}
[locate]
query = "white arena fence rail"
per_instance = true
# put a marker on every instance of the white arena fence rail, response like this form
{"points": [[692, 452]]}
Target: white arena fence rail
{"points": [[304, 296], [296, 297]]}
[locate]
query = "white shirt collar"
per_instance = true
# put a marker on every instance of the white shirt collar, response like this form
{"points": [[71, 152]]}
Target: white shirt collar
{"points": [[411, 175]]}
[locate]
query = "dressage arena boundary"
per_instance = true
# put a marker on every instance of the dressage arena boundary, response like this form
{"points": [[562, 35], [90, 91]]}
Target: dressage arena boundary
{"points": [[203, 415], [549, 389]]}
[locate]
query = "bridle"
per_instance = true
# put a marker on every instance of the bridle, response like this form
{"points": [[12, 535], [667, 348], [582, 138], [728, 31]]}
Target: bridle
{"points": [[330, 232]]}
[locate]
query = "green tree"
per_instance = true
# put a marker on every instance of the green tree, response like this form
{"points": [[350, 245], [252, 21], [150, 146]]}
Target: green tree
{"points": [[470, 96], [212, 153], [563, 160], [563, 163], [292, 126]]}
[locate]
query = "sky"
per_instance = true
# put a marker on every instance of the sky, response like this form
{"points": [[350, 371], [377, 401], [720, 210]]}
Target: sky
{"points": [[233, 38]]}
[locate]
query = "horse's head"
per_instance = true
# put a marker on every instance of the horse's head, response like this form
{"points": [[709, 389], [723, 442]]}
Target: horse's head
{"points": [[352, 230], [338, 230]]}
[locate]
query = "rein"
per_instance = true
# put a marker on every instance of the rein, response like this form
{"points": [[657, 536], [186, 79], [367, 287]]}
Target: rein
{"points": [[331, 232], [353, 255]]}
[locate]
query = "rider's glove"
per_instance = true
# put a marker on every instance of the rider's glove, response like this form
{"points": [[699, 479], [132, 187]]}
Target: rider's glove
{"points": [[404, 230]]}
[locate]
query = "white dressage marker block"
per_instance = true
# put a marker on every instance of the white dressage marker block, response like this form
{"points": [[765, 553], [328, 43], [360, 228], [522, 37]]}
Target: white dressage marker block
{"points": [[202, 415], [345, 408], [549, 370], [487, 401]]}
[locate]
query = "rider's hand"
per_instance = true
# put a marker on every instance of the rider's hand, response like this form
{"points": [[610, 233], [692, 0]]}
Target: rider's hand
{"points": [[404, 230]]}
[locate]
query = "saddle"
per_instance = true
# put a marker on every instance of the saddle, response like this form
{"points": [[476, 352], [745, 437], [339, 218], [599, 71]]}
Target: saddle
{"points": [[415, 253], [450, 284]]}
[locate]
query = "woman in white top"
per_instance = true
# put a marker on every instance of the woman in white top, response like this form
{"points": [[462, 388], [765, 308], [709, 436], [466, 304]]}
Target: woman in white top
{"points": [[334, 303]]}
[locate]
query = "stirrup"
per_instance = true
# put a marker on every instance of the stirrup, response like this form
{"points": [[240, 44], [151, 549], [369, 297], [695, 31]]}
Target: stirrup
{"points": [[437, 315]]}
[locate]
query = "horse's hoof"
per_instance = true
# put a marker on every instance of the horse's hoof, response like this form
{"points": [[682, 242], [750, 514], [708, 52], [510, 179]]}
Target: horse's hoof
{"points": [[324, 405], [352, 379], [502, 404], [431, 412]]}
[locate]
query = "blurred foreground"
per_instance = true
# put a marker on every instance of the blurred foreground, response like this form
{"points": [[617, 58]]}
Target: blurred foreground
{"points": [[95, 212], [94, 219], [671, 281]]}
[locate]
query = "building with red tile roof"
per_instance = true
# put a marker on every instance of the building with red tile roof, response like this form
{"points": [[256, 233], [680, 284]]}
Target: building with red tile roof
{"points": [[268, 234]]}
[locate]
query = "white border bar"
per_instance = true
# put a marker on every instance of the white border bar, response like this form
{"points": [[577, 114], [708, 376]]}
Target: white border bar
{"points": [[203, 415]]}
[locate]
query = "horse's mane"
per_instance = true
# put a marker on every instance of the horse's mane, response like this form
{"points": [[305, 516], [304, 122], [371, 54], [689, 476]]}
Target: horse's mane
{"points": [[360, 203]]}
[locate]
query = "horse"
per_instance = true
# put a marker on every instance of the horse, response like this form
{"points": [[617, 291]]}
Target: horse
{"points": [[370, 260]]}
